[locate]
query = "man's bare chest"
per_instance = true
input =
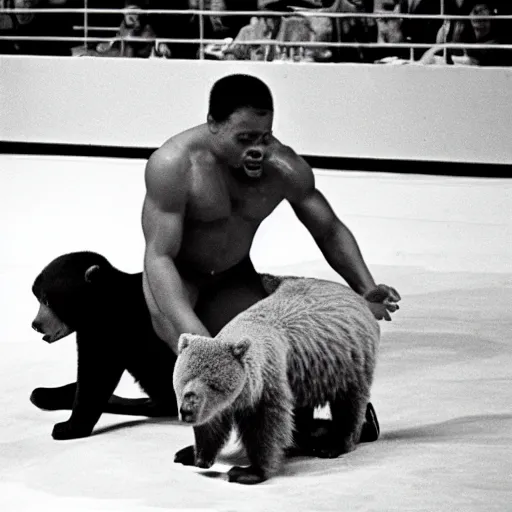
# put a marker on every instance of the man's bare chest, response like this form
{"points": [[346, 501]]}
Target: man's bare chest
{"points": [[222, 196]]}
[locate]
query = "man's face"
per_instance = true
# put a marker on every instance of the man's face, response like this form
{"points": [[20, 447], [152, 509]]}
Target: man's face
{"points": [[243, 139], [270, 23], [24, 19], [483, 27], [132, 20]]}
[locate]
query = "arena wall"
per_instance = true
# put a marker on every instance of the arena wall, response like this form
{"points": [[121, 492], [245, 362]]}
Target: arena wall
{"points": [[453, 114]]}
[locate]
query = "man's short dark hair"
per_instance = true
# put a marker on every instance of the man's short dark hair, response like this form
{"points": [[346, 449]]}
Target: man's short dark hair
{"points": [[233, 92]]}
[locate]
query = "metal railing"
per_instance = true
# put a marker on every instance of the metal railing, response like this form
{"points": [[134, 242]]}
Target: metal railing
{"points": [[87, 39]]}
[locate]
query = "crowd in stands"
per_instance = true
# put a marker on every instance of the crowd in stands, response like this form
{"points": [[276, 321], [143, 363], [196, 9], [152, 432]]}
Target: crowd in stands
{"points": [[306, 22]]}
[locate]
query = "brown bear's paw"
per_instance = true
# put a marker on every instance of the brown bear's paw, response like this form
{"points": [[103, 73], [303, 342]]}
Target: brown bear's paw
{"points": [[295, 451], [65, 430], [202, 463], [54, 399], [327, 452], [186, 456], [248, 475]]}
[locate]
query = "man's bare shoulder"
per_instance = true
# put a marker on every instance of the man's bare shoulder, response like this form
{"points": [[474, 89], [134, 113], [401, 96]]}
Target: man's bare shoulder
{"points": [[168, 170], [177, 151], [295, 171]]}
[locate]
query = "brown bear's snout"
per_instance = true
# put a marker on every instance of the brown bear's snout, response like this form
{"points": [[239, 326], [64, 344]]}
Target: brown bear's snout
{"points": [[189, 407]]}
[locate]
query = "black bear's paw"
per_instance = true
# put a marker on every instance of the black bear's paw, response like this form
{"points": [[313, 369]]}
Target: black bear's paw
{"points": [[248, 475], [54, 399], [186, 456], [65, 430]]}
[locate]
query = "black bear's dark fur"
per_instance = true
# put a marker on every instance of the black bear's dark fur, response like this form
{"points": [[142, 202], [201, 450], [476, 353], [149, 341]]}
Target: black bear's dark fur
{"points": [[114, 333]]}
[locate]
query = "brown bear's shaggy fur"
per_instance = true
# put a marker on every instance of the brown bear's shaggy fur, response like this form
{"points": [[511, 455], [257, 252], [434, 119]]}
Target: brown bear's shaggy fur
{"points": [[310, 343]]}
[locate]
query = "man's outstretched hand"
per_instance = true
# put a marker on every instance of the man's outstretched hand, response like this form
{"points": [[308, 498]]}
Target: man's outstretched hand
{"points": [[382, 300]]}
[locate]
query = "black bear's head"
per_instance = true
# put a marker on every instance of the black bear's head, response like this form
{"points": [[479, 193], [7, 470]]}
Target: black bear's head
{"points": [[72, 292]]}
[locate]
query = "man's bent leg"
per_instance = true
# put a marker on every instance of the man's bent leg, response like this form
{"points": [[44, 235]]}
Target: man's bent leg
{"points": [[371, 428], [227, 295]]}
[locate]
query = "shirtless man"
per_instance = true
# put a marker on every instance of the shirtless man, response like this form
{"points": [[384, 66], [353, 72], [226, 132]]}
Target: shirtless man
{"points": [[208, 190]]}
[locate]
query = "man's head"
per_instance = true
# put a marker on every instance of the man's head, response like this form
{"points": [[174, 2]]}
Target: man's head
{"points": [[240, 117], [482, 28], [131, 19]]}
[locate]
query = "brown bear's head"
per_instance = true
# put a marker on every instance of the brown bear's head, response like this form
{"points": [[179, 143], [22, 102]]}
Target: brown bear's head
{"points": [[208, 376]]}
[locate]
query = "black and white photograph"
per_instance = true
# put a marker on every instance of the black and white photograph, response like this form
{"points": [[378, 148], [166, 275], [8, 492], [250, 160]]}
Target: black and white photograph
{"points": [[256, 255]]}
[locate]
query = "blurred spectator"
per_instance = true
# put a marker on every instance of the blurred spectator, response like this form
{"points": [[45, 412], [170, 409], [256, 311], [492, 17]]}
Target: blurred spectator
{"points": [[304, 24], [451, 30], [36, 25], [8, 27], [389, 30], [233, 24], [173, 26], [492, 32], [295, 28], [353, 30], [133, 25], [220, 25], [424, 31], [213, 26], [258, 29], [327, 29], [188, 26]]}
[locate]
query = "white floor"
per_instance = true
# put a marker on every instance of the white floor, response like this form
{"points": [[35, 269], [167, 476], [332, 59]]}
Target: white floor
{"points": [[443, 389]]}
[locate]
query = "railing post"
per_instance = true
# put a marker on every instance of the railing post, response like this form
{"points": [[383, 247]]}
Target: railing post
{"points": [[86, 23], [445, 32], [201, 30]]}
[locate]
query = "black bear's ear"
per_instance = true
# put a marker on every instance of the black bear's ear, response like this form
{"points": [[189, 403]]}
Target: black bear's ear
{"points": [[240, 347], [91, 273]]}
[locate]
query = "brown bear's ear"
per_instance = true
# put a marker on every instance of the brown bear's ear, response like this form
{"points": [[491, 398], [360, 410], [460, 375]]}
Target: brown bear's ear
{"points": [[183, 343], [240, 347], [91, 273]]}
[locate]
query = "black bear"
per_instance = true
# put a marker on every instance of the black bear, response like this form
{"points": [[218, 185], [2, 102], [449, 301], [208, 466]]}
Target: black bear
{"points": [[82, 292]]}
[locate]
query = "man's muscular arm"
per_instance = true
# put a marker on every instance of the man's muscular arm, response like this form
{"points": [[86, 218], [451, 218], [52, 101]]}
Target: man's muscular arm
{"points": [[162, 221], [334, 239]]}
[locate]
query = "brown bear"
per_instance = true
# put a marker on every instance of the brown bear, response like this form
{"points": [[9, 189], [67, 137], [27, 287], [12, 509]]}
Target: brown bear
{"points": [[311, 343]]}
